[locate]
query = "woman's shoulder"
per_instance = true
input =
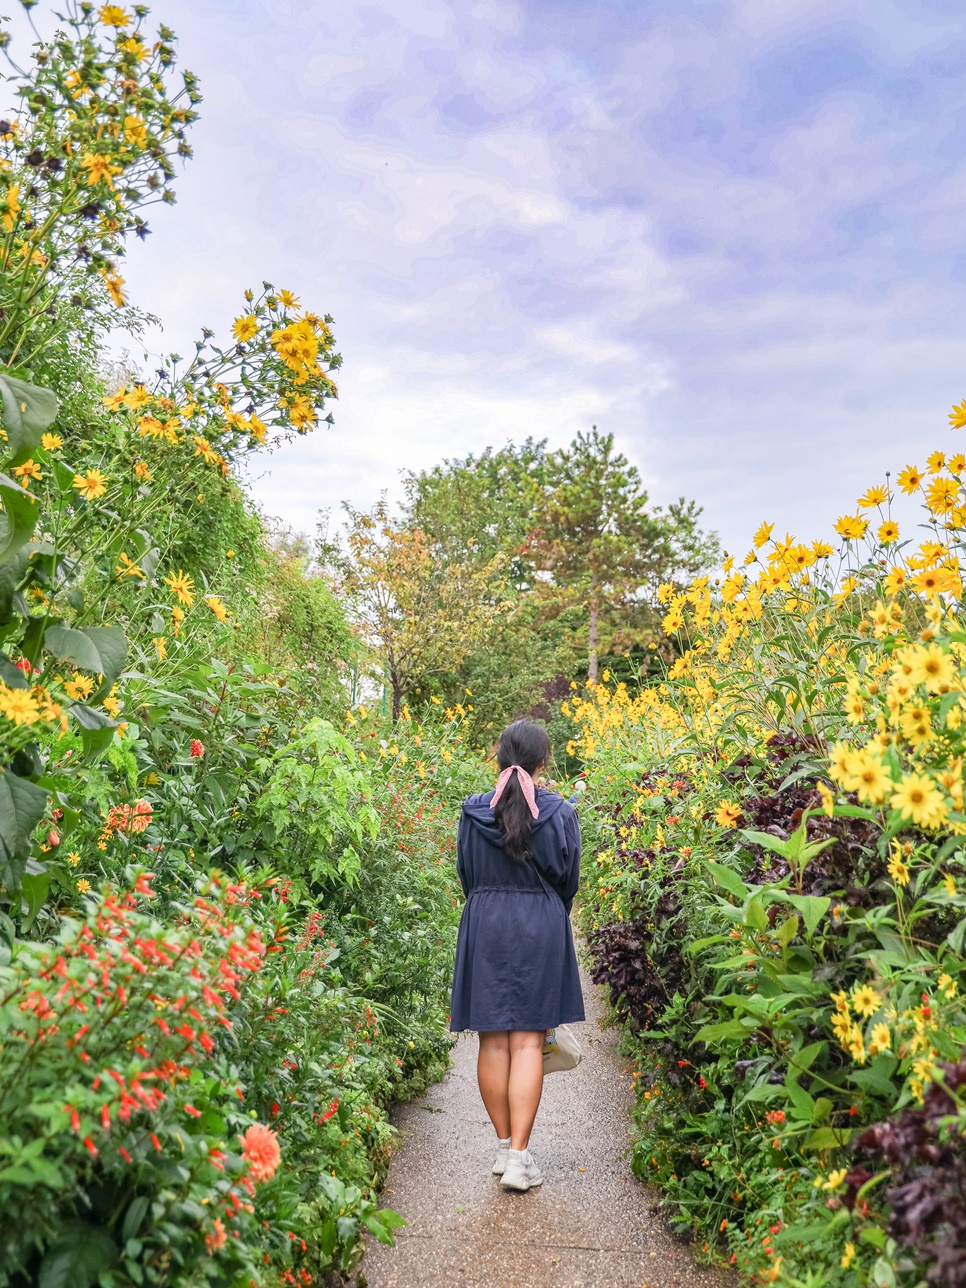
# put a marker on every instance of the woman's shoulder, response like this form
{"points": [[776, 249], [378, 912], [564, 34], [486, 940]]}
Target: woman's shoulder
{"points": [[479, 800], [553, 805]]}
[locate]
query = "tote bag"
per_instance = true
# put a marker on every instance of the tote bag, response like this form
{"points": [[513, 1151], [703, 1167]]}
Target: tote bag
{"points": [[561, 1050]]}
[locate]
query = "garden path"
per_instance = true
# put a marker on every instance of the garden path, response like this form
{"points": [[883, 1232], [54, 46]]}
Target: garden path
{"points": [[588, 1226]]}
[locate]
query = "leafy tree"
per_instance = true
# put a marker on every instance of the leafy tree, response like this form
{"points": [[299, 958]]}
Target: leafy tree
{"points": [[603, 548], [482, 506], [422, 614], [477, 508]]}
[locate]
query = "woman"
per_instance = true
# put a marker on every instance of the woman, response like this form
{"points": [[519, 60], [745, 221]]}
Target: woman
{"points": [[516, 976]]}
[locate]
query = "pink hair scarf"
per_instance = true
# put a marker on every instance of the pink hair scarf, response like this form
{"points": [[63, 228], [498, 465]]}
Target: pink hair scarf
{"points": [[526, 785]]}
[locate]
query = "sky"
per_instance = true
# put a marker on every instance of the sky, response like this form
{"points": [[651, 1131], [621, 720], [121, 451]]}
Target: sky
{"points": [[730, 232]]}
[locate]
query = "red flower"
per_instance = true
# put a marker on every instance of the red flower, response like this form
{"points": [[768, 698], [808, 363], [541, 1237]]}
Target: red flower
{"points": [[197, 749], [260, 1150]]}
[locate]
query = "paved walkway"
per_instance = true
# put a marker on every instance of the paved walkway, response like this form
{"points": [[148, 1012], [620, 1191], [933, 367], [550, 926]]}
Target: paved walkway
{"points": [[587, 1226]]}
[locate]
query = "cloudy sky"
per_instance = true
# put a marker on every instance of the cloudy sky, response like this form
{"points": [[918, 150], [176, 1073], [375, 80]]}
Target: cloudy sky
{"points": [[730, 231]]}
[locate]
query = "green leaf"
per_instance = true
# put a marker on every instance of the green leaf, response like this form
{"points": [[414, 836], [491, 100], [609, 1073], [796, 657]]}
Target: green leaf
{"points": [[77, 1258], [100, 649], [812, 907], [728, 878], [134, 1216], [21, 510], [22, 806], [827, 1138], [27, 411], [97, 729], [787, 931], [803, 1106], [773, 843], [33, 888], [726, 1029]]}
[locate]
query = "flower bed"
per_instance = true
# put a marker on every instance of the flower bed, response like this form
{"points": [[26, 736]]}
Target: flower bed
{"points": [[777, 897]]}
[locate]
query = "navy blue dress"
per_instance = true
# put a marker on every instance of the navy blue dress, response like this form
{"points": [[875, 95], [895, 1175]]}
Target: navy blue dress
{"points": [[516, 967]]}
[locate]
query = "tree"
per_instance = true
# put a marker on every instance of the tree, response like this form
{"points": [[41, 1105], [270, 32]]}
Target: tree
{"points": [[601, 546], [477, 508], [482, 506], [423, 614]]}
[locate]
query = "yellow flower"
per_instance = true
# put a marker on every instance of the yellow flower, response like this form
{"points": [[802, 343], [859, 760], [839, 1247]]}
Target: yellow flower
{"points": [[957, 417], [874, 496], [935, 461], [141, 471], [848, 1256], [835, 1178], [288, 299], [137, 398], [950, 883], [18, 706], [894, 580], [868, 777], [851, 526], [854, 708], [127, 568], [865, 1000], [918, 800], [821, 549], [182, 586], [218, 608], [257, 428], [51, 442], [245, 328], [73, 858], [113, 15], [83, 886], [135, 132], [880, 1039], [828, 798], [932, 667], [910, 479], [161, 646], [888, 532], [727, 814], [11, 207], [898, 871], [762, 535], [942, 495], [29, 470], [947, 986], [99, 169], [90, 485]]}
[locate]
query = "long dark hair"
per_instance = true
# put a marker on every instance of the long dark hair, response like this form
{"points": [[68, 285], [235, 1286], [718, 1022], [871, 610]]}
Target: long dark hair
{"points": [[526, 744]]}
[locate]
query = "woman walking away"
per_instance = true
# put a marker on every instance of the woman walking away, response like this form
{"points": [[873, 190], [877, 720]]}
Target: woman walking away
{"points": [[516, 968]]}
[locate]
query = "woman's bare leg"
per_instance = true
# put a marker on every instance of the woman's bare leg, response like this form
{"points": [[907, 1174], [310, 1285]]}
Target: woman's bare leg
{"points": [[493, 1075], [525, 1085]]}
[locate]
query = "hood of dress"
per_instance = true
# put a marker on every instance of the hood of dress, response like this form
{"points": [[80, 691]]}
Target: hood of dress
{"points": [[480, 812]]}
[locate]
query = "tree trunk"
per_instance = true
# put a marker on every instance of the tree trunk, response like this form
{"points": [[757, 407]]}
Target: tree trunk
{"points": [[594, 615], [397, 698]]}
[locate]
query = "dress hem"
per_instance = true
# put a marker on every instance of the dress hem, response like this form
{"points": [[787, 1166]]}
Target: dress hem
{"points": [[519, 1028]]}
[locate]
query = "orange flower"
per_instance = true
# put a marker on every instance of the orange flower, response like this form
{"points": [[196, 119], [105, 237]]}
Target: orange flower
{"points": [[218, 1237], [261, 1152]]}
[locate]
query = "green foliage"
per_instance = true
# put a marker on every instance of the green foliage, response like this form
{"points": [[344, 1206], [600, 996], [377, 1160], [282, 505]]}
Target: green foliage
{"points": [[316, 800], [170, 679]]}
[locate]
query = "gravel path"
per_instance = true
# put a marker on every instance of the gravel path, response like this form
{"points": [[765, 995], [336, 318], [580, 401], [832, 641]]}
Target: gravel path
{"points": [[588, 1225]]}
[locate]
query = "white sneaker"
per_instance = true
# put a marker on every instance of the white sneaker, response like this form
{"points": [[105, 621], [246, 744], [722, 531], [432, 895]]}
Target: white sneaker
{"points": [[521, 1171], [502, 1154]]}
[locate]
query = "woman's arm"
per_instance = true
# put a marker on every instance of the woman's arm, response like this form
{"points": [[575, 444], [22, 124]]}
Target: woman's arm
{"points": [[461, 853], [571, 860]]}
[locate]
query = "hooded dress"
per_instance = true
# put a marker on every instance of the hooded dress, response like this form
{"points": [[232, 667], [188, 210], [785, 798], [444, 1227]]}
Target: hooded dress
{"points": [[516, 967]]}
